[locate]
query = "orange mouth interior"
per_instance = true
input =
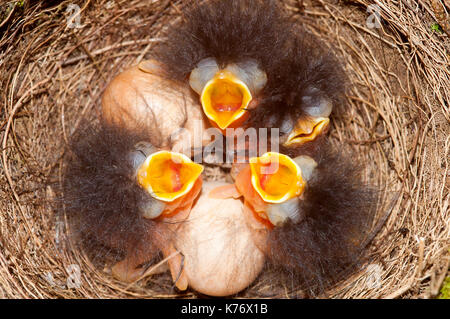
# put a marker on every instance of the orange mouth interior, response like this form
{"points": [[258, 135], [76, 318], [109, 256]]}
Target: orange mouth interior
{"points": [[224, 99], [168, 175], [275, 183], [276, 177]]}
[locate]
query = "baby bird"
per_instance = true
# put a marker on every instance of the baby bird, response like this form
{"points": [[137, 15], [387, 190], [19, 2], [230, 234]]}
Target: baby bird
{"points": [[127, 198], [220, 256], [252, 65], [130, 202], [234, 64], [310, 217], [142, 98]]}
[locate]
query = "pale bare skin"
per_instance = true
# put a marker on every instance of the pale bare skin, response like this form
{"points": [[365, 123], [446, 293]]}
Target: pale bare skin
{"points": [[220, 256], [161, 237], [141, 98], [217, 250], [128, 270], [259, 231], [213, 251]]}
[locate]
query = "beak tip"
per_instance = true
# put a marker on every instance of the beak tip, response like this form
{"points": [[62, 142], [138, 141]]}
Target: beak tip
{"points": [[307, 131]]}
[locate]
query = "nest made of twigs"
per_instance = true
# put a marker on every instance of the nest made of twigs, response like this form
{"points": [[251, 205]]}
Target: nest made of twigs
{"points": [[57, 58]]}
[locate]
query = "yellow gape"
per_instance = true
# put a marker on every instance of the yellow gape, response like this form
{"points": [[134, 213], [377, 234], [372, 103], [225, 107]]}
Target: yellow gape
{"points": [[168, 175], [276, 177], [225, 98], [307, 130]]}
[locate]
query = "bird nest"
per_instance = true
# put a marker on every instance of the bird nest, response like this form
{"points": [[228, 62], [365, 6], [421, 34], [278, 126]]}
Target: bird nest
{"points": [[57, 58]]}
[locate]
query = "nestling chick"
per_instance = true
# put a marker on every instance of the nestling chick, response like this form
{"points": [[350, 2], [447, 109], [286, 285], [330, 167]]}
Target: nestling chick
{"points": [[310, 217], [142, 97], [220, 257], [136, 202], [252, 65], [129, 198]]}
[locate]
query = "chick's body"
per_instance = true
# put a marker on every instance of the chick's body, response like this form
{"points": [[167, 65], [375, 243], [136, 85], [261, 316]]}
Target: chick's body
{"points": [[250, 66], [221, 258], [141, 98], [286, 77]]}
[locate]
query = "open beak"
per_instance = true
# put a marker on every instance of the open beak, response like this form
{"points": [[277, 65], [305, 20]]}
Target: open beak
{"points": [[306, 130], [276, 177], [272, 186], [225, 99], [167, 176]]}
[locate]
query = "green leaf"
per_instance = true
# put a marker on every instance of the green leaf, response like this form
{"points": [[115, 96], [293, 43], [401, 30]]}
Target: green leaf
{"points": [[436, 27], [445, 290]]}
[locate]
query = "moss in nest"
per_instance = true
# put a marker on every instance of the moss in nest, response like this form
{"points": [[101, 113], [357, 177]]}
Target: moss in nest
{"points": [[436, 27], [445, 290], [5, 9]]}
